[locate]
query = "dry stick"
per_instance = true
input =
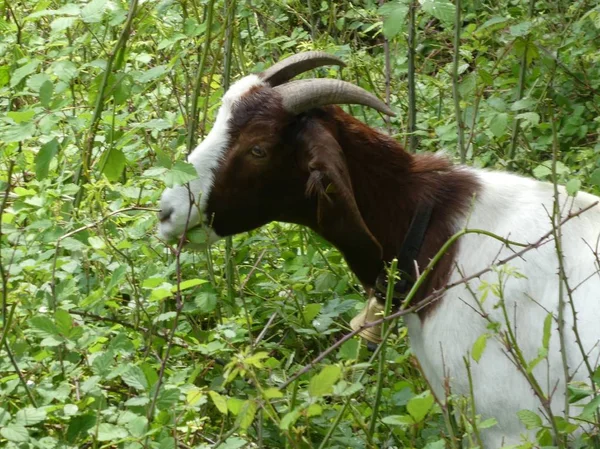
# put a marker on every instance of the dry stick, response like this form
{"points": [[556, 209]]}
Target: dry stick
{"points": [[412, 98], [438, 294], [462, 150], [83, 175]]}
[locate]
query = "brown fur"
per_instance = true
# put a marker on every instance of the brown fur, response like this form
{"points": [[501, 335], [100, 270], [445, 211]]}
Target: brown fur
{"points": [[324, 169]]}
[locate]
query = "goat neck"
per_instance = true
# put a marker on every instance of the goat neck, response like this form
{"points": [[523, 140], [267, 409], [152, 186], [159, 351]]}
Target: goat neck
{"points": [[388, 185]]}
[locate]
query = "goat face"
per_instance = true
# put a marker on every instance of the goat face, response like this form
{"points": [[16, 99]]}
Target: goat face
{"points": [[264, 158]]}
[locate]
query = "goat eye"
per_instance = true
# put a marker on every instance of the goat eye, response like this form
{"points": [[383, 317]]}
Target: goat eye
{"points": [[258, 152]]}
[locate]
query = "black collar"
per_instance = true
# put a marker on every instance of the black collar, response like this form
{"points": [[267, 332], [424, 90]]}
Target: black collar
{"points": [[409, 252]]}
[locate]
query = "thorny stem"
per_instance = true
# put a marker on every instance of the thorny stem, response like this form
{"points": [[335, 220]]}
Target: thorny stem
{"points": [[3, 273], [438, 294]]}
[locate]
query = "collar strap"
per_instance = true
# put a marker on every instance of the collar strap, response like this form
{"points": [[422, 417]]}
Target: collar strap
{"points": [[409, 252]]}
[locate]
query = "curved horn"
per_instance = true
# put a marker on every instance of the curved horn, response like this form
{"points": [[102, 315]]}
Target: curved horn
{"points": [[301, 95], [285, 70]]}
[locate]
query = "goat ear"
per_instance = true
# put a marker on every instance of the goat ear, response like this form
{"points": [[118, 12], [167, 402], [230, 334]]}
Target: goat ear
{"points": [[338, 218]]}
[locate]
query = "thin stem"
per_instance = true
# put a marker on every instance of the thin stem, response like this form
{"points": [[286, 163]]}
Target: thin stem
{"points": [[462, 150], [193, 119], [412, 98]]}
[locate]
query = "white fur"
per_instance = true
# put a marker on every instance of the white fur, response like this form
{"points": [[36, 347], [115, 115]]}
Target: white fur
{"points": [[517, 208], [206, 158]]}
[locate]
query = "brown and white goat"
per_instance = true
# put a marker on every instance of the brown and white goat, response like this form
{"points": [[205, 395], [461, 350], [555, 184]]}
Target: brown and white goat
{"points": [[281, 150]]}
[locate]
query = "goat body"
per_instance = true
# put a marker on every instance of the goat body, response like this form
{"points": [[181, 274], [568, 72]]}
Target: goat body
{"points": [[359, 189]]}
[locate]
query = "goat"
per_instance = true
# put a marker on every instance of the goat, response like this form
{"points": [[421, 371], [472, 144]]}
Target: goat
{"points": [[283, 150]]}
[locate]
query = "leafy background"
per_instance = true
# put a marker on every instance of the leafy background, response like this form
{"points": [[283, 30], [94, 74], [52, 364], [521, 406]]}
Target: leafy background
{"points": [[101, 101]]}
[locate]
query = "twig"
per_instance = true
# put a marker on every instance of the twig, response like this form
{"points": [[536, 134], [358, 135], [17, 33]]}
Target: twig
{"points": [[412, 98], [456, 93], [434, 296]]}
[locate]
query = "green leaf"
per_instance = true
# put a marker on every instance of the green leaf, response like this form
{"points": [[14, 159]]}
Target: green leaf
{"points": [[349, 350], [323, 383], [247, 414], [189, 284], [398, 420], [419, 406], [15, 433], [110, 432], [44, 157], [547, 329], [29, 416], [152, 74], [521, 29], [289, 419], [21, 116], [18, 133], [443, 10], [64, 70], [573, 186], [79, 426], [530, 419], [46, 91], [134, 377], [595, 178], [394, 17], [23, 72], [219, 401], [64, 321], [530, 118], [206, 302], [113, 164], [181, 173], [311, 311], [167, 398], [479, 347], [233, 443], [498, 124], [590, 409], [43, 326], [93, 11]]}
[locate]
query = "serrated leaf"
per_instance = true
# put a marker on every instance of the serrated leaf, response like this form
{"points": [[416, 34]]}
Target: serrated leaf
{"points": [[93, 11], [530, 419], [15, 433], [520, 29], [64, 70], [195, 396], [479, 346], [43, 326], [350, 350], [419, 406], [181, 173], [29, 416], [167, 398], [206, 302], [272, 393], [152, 74], [323, 383], [134, 377], [110, 432], [79, 426], [21, 116], [530, 118], [219, 401], [394, 17], [23, 72], [314, 410], [44, 157], [17, 133], [247, 414], [443, 10]]}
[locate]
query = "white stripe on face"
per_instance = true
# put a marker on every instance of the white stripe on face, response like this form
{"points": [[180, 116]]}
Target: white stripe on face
{"points": [[206, 158]]}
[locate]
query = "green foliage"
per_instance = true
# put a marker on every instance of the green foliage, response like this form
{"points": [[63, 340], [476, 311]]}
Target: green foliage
{"points": [[108, 349]]}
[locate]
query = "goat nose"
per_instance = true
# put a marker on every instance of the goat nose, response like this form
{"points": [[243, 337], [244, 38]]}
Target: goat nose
{"points": [[165, 214]]}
